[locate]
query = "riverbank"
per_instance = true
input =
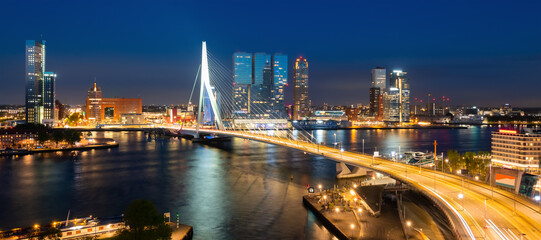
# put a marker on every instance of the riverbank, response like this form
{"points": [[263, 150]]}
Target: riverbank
{"points": [[406, 127], [80, 148]]}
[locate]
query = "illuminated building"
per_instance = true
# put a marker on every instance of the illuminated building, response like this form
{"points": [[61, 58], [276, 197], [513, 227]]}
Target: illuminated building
{"points": [[109, 110], [279, 70], [379, 78], [391, 105], [375, 93], [39, 96], [12, 139], [261, 87], [516, 149], [49, 95], [93, 104], [399, 81], [258, 83], [301, 104]]}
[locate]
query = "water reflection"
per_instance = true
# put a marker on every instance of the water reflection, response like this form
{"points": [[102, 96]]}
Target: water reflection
{"points": [[240, 191]]}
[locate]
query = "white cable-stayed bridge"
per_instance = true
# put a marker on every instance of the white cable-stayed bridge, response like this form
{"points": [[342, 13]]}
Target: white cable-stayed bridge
{"points": [[474, 209]]}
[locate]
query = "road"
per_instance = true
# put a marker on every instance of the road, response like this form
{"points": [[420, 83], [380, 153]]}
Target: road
{"points": [[477, 215]]}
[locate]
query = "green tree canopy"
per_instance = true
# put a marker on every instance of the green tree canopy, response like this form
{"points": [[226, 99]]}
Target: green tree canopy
{"points": [[144, 222]]}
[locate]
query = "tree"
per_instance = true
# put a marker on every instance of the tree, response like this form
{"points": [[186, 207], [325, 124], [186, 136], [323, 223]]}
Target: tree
{"points": [[58, 136], [454, 160], [74, 119], [42, 137], [72, 136], [144, 222], [49, 234]]}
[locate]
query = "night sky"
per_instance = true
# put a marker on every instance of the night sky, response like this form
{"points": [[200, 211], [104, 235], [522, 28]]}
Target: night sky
{"points": [[476, 52]]}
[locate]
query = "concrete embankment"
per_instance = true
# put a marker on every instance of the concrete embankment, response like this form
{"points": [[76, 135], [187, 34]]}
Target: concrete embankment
{"points": [[321, 217]]}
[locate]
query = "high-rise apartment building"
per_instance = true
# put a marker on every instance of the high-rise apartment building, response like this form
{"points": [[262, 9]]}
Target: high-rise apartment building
{"points": [[301, 107], [379, 78], [48, 95], [39, 97]]}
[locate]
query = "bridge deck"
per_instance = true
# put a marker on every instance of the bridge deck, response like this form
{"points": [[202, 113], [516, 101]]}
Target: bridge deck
{"points": [[467, 214]]}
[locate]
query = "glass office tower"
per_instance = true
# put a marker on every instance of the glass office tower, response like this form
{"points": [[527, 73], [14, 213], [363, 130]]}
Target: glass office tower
{"points": [[379, 78], [279, 69], [35, 69], [399, 80], [242, 81]]}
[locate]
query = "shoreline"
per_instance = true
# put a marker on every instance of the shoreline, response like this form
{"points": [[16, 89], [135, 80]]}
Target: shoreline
{"points": [[27, 152]]}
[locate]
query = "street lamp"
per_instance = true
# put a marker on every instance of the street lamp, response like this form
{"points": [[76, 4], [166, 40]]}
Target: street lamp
{"points": [[319, 186], [335, 140], [352, 226]]}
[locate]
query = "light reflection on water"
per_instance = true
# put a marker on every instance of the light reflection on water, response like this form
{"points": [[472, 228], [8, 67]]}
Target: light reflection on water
{"points": [[243, 191]]}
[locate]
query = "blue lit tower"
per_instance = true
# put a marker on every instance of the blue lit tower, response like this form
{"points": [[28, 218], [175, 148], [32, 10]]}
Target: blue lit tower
{"points": [[279, 69], [242, 81]]}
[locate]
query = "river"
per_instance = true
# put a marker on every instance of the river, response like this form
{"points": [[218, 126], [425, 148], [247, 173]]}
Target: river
{"points": [[243, 190]]}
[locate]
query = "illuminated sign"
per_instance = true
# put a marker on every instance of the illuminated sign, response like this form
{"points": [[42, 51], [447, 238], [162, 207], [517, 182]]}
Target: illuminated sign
{"points": [[507, 131]]}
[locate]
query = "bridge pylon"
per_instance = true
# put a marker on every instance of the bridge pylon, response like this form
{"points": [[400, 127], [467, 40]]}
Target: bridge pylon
{"points": [[206, 91]]}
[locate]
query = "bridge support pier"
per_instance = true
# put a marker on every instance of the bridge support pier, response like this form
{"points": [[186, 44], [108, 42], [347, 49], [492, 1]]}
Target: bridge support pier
{"points": [[343, 171]]}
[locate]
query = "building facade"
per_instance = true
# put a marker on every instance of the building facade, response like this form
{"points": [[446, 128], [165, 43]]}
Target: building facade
{"points": [[39, 94], [375, 93], [301, 104], [379, 78], [258, 84], [279, 70], [516, 149], [391, 105], [399, 81], [109, 110], [49, 95]]}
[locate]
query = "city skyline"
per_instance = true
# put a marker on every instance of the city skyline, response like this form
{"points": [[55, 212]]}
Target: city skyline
{"points": [[441, 58]]}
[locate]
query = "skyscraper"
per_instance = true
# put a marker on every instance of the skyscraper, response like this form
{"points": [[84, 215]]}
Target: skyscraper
{"points": [[379, 85], [94, 104], [48, 95], [391, 105], [399, 81], [259, 99], [242, 80], [279, 70], [301, 106], [375, 93], [259, 81], [39, 96], [379, 78]]}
